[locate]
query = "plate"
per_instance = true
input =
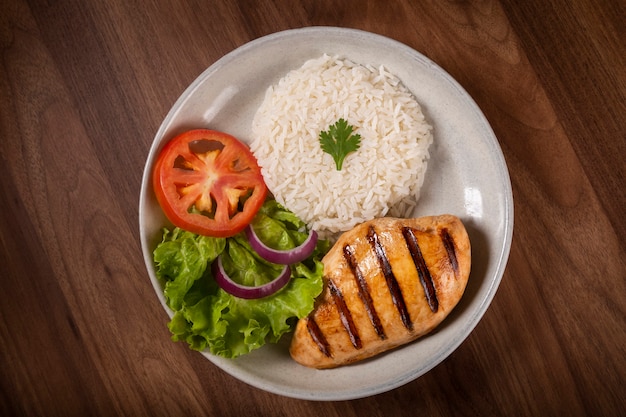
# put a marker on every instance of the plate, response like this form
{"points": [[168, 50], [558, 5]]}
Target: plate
{"points": [[466, 176]]}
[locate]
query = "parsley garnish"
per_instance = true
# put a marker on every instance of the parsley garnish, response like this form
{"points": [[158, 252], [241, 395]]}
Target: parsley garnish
{"points": [[339, 141]]}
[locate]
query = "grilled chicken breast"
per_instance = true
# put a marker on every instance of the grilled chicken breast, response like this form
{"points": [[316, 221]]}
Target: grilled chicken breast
{"points": [[387, 282]]}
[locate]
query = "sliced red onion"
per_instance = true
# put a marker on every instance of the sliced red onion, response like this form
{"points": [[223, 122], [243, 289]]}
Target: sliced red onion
{"points": [[244, 291], [287, 257]]}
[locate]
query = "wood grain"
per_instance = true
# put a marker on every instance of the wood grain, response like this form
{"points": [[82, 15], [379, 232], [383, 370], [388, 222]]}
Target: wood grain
{"points": [[83, 89]]}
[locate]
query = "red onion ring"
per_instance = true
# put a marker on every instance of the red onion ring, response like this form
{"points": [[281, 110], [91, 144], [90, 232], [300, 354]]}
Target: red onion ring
{"points": [[244, 291], [287, 257]]}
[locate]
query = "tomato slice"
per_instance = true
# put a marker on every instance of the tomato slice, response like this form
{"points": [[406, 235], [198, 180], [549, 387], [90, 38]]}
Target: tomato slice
{"points": [[208, 182]]}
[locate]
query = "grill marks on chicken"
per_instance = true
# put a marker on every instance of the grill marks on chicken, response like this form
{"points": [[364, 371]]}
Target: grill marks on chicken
{"points": [[318, 337], [392, 283], [422, 269], [448, 243], [394, 289], [389, 281], [345, 315], [364, 291]]}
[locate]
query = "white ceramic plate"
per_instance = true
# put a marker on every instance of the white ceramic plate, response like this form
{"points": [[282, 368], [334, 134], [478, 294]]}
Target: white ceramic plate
{"points": [[467, 176]]}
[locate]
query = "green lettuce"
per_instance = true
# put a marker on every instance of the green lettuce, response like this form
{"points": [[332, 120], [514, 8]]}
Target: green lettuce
{"points": [[207, 317]]}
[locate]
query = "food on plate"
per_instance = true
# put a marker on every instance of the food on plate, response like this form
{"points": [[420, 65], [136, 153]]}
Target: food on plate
{"points": [[334, 145], [208, 182], [387, 282], [207, 316], [382, 177]]}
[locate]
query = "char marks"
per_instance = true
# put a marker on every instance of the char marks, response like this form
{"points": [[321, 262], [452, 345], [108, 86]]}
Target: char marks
{"points": [[318, 337], [448, 243], [422, 270], [350, 257], [392, 282], [345, 315], [364, 292]]}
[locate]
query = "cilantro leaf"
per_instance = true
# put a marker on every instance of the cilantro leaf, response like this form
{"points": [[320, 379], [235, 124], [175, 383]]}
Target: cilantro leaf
{"points": [[339, 141]]}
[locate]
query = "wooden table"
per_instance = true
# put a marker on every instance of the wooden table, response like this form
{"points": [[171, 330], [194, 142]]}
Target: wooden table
{"points": [[84, 85]]}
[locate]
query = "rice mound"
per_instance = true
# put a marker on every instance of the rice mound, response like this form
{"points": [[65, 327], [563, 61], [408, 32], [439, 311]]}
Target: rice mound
{"points": [[383, 177]]}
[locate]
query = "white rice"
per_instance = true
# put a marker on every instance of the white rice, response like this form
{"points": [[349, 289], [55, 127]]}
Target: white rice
{"points": [[383, 177]]}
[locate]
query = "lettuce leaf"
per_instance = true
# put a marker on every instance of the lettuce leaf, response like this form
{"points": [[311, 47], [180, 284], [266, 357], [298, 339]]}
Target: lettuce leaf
{"points": [[182, 258], [207, 317]]}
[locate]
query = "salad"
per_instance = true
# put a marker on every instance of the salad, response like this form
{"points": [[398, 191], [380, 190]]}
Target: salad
{"points": [[237, 268]]}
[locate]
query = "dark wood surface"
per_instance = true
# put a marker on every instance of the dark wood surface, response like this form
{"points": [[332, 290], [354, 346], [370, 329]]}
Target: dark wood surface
{"points": [[84, 85]]}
